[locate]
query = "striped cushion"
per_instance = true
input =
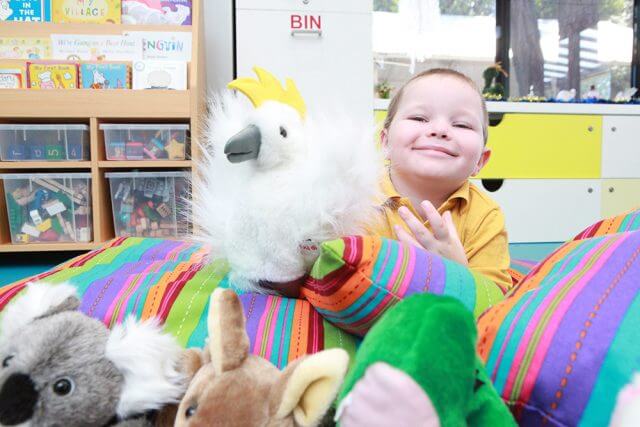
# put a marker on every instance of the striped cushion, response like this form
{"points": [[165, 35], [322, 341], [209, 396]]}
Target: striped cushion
{"points": [[171, 280], [628, 221], [567, 339], [519, 269], [356, 279]]}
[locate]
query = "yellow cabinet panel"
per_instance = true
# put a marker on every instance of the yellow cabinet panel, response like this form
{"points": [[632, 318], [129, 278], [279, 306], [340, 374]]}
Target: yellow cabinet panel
{"points": [[545, 146], [379, 116], [619, 196]]}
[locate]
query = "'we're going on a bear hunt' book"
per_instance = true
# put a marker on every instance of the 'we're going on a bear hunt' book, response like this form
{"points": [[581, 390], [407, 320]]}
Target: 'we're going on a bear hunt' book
{"points": [[94, 11]]}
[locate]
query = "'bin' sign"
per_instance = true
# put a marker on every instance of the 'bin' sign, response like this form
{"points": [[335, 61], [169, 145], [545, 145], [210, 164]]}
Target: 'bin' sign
{"points": [[306, 22]]}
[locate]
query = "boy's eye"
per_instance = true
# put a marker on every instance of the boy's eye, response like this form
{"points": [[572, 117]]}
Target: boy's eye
{"points": [[419, 119], [462, 125]]}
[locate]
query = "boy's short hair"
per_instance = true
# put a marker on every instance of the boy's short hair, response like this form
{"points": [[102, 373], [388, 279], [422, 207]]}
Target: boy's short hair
{"points": [[447, 72]]}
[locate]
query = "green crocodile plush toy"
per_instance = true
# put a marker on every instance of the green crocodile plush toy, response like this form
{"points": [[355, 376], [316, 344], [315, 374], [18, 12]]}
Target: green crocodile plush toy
{"points": [[431, 339]]}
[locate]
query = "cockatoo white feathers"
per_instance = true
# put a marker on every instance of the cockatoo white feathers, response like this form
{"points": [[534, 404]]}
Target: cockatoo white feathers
{"points": [[273, 178]]}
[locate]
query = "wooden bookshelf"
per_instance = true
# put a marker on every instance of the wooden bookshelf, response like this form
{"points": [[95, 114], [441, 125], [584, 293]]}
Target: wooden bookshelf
{"points": [[93, 107], [99, 103]]}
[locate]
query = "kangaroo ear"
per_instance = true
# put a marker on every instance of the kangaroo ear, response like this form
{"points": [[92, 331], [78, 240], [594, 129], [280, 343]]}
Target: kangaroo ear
{"points": [[228, 339], [37, 300], [150, 363], [307, 387]]}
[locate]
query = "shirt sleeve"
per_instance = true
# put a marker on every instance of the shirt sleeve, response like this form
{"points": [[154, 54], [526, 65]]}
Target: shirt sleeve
{"points": [[487, 249]]}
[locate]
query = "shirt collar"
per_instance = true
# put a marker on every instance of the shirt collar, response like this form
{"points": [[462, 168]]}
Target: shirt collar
{"points": [[392, 195]]}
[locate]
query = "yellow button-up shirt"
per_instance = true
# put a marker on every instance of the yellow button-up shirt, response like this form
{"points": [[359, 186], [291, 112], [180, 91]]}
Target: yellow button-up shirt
{"points": [[479, 222]]}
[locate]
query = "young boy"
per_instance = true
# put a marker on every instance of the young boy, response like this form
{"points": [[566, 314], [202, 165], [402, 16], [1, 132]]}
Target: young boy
{"points": [[435, 137]]}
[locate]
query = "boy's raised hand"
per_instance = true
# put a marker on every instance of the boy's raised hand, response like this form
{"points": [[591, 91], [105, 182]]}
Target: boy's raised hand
{"points": [[443, 241]]}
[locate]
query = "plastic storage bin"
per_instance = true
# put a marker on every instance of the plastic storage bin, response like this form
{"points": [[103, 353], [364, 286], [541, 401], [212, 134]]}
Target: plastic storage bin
{"points": [[47, 208], [26, 143], [149, 204], [145, 141]]}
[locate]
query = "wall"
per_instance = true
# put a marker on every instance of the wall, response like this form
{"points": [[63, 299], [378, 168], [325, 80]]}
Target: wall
{"points": [[218, 31]]}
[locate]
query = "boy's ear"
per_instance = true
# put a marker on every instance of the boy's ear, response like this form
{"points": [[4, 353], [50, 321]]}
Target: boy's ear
{"points": [[384, 137], [484, 158]]}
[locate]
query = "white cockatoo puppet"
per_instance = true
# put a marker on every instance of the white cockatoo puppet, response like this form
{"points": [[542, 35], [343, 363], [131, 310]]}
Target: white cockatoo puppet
{"points": [[273, 182]]}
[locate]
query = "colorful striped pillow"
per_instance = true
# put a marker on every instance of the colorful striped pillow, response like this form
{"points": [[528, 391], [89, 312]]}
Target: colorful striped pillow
{"points": [[628, 221], [172, 280], [357, 278], [566, 340]]}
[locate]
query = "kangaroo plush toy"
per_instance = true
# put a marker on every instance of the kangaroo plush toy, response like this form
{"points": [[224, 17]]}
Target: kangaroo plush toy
{"points": [[60, 367], [234, 388]]}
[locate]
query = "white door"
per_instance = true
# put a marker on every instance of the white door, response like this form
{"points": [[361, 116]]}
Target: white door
{"points": [[547, 210], [621, 147], [327, 53]]}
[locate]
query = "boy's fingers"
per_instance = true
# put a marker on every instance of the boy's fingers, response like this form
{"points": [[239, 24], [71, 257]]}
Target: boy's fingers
{"points": [[438, 225], [407, 238], [448, 220], [422, 235]]}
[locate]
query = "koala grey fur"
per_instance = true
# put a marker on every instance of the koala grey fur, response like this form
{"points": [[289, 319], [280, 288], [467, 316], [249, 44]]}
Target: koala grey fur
{"points": [[54, 372]]}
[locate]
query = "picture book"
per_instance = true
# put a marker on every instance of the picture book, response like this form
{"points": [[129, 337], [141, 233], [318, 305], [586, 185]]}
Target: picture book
{"points": [[162, 45], [13, 75], [104, 76], [156, 12], [52, 75], [159, 75], [103, 47], [25, 10], [25, 48], [94, 11]]}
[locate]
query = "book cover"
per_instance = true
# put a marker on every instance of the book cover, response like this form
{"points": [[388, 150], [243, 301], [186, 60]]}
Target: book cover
{"points": [[52, 75], [25, 48], [25, 10], [159, 75], [13, 75], [93, 11], [162, 45], [87, 47], [177, 12], [156, 12], [104, 76]]}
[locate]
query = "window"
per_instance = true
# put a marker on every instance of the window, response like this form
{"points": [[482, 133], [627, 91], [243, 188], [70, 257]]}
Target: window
{"points": [[414, 35], [584, 45]]}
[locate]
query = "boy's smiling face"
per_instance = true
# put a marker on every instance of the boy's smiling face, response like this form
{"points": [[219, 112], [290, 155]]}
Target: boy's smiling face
{"points": [[437, 132]]}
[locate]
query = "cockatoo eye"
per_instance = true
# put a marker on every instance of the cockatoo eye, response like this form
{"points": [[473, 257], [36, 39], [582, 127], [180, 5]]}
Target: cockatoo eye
{"points": [[5, 361], [190, 412], [283, 132], [63, 386]]}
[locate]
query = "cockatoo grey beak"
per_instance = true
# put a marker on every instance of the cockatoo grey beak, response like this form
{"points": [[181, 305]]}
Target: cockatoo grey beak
{"points": [[243, 146]]}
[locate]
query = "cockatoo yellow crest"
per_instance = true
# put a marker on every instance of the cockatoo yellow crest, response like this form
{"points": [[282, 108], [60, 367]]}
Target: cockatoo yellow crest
{"points": [[268, 88]]}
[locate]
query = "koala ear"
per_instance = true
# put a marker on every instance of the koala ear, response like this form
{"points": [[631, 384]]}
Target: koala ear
{"points": [[37, 300], [150, 363]]}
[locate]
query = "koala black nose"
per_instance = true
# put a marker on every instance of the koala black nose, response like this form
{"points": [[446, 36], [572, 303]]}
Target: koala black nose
{"points": [[18, 398]]}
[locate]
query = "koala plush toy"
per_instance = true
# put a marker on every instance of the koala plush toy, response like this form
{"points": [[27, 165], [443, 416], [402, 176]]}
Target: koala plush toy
{"points": [[59, 367]]}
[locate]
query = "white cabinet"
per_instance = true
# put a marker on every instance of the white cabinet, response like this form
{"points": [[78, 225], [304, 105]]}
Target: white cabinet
{"points": [[324, 46], [621, 147], [547, 210], [342, 6]]}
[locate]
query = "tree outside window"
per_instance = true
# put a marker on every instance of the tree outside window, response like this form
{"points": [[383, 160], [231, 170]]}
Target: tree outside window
{"points": [[584, 45], [570, 44]]}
